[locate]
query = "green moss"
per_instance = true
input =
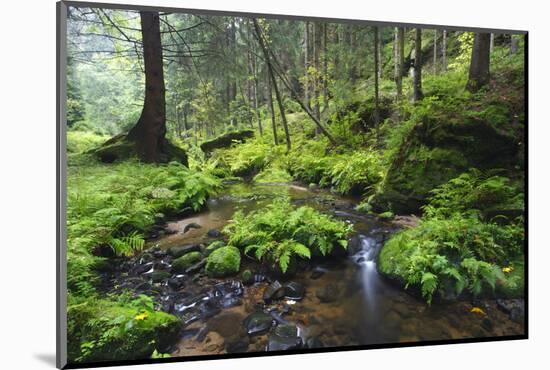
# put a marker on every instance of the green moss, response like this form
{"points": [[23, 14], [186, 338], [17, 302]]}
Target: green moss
{"points": [[214, 246], [105, 330], [180, 264], [388, 215], [247, 277], [224, 261]]}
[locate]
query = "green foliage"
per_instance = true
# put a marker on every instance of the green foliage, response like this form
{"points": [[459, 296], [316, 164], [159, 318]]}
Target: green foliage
{"points": [[82, 141], [115, 205], [348, 172], [459, 251], [281, 233], [474, 190], [246, 158], [130, 328]]}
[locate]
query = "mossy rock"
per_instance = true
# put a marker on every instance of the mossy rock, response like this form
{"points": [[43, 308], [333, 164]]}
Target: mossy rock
{"points": [[433, 153], [386, 216], [226, 140], [247, 277], [224, 261], [120, 148], [182, 263], [214, 246], [103, 330]]}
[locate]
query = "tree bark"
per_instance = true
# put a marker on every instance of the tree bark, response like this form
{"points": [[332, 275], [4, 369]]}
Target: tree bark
{"points": [[306, 64], [316, 61], [400, 61], [272, 109], [150, 130], [376, 77], [514, 44], [417, 76], [444, 51], [435, 52], [479, 66], [325, 66]]}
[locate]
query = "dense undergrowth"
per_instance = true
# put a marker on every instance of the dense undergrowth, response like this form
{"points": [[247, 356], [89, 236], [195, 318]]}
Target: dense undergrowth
{"points": [[456, 248], [281, 233], [113, 207]]}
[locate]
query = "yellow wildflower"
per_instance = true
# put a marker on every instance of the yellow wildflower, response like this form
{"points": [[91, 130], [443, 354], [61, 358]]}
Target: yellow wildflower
{"points": [[507, 269], [478, 311], [141, 316]]}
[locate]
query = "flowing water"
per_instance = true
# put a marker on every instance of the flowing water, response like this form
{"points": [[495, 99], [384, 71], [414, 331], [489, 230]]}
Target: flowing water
{"points": [[346, 302]]}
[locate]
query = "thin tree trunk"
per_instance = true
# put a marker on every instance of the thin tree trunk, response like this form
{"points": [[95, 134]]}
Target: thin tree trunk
{"points": [[376, 77], [293, 94], [316, 61], [259, 35], [417, 77], [379, 52], [272, 109], [492, 45], [150, 130], [325, 67], [435, 52], [514, 44], [479, 66], [444, 51], [306, 64], [400, 61]]}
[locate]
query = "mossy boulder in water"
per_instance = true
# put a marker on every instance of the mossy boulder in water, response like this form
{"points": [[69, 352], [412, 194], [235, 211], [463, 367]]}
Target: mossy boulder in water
{"points": [[435, 152], [224, 261], [226, 140], [120, 148], [118, 332], [181, 264]]}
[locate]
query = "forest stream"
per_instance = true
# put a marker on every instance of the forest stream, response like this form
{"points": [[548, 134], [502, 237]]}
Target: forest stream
{"points": [[341, 302]]}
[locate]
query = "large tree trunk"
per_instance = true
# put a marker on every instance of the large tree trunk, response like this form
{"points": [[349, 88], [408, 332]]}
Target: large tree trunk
{"points": [[150, 130], [417, 77], [479, 66]]}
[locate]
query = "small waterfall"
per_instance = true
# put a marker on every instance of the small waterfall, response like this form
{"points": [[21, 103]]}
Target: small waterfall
{"points": [[370, 280]]}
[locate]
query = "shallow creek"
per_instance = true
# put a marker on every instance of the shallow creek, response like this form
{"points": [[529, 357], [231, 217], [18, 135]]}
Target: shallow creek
{"points": [[345, 302]]}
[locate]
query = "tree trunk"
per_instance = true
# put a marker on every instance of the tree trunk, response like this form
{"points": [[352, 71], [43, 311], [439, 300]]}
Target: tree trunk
{"points": [[325, 67], [259, 35], [479, 66], [150, 130], [400, 61], [444, 51], [492, 45], [293, 94], [272, 109], [376, 77], [417, 76], [316, 61], [514, 44], [435, 52], [306, 64]]}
